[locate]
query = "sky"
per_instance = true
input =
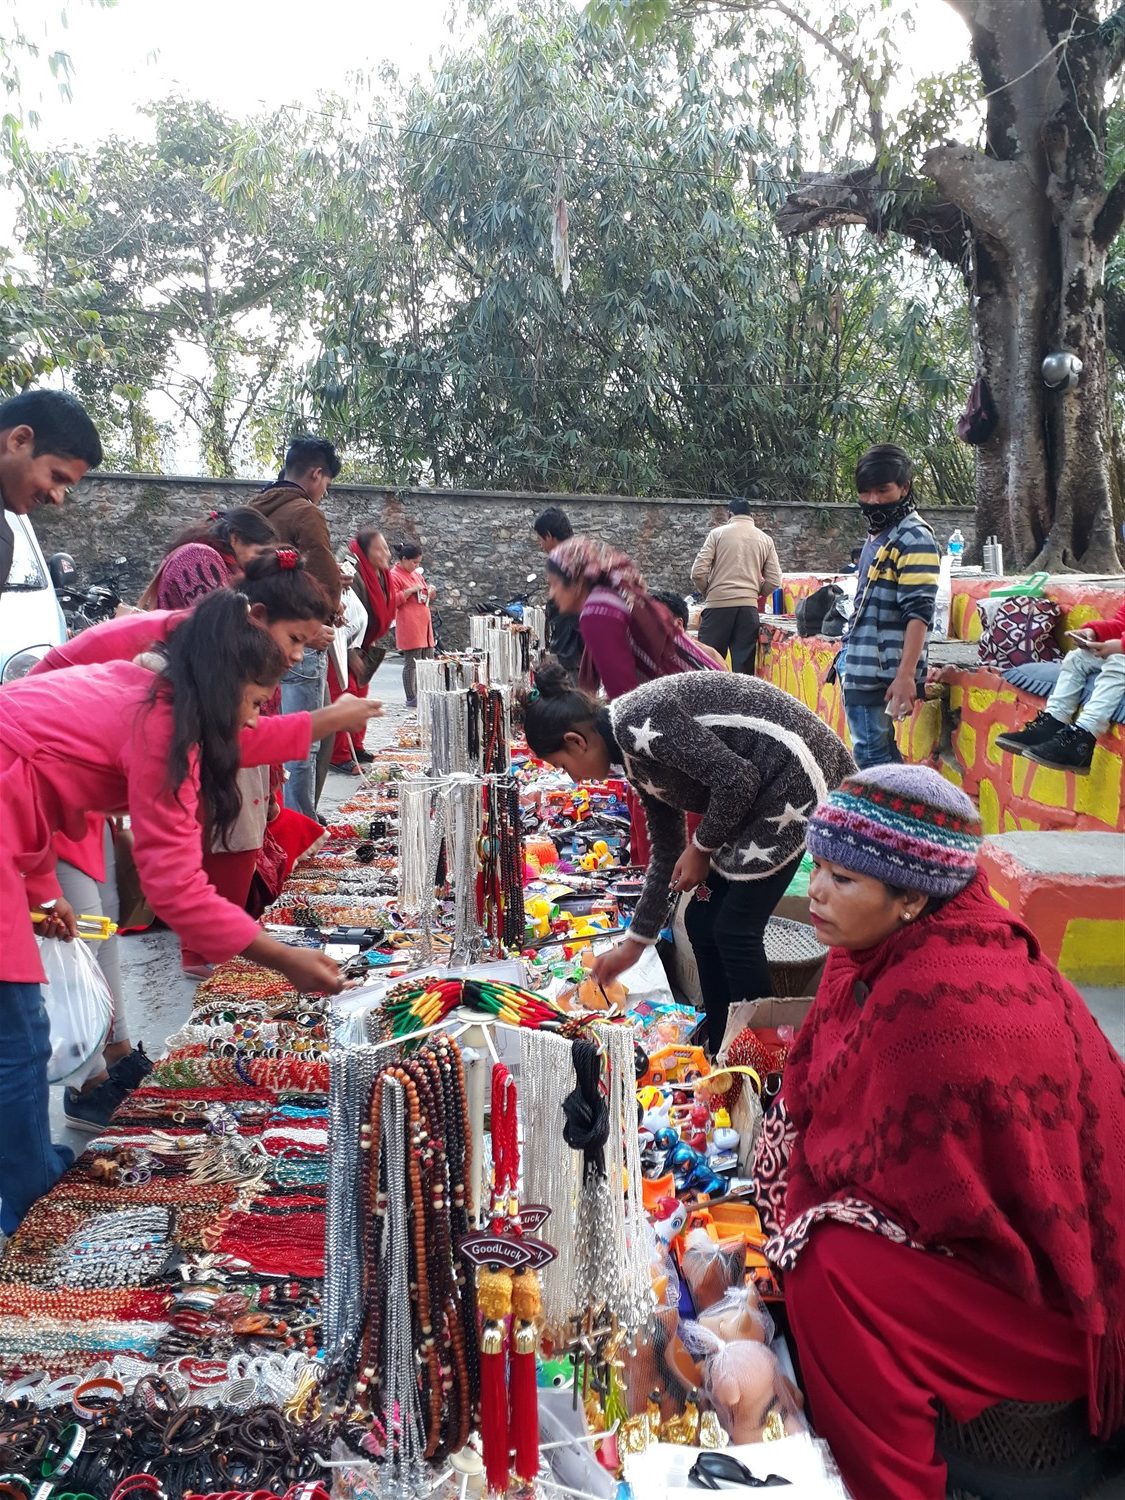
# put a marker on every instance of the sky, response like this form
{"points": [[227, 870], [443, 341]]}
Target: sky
{"points": [[242, 55]]}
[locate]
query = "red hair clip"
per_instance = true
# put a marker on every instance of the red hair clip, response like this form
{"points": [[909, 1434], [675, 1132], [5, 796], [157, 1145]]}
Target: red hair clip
{"points": [[287, 558]]}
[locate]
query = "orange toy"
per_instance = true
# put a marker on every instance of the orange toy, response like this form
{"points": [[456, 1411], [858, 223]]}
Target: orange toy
{"points": [[678, 1064]]}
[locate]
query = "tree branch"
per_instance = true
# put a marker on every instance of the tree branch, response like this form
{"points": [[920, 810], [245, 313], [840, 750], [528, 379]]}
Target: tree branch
{"points": [[1111, 216], [1112, 34], [849, 65], [996, 195], [909, 207]]}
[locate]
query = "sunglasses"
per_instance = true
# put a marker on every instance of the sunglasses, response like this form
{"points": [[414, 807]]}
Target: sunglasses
{"points": [[712, 1471]]}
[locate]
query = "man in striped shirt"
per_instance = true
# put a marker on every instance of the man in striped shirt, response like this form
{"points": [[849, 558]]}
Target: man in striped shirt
{"points": [[883, 661]]}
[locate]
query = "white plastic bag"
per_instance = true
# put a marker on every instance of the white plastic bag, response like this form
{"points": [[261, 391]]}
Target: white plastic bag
{"points": [[79, 1006]]}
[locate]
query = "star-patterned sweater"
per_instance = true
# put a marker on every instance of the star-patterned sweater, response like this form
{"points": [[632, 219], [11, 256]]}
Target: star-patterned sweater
{"points": [[745, 754]]}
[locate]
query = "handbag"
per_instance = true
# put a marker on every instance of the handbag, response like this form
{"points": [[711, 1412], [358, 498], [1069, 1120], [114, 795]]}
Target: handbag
{"points": [[979, 420], [1017, 630]]}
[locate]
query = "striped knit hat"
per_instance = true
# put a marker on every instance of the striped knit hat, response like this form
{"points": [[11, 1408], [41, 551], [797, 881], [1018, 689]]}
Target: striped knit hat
{"points": [[905, 825]]}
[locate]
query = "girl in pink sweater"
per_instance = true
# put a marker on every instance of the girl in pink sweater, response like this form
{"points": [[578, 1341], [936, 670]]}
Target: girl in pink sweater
{"points": [[148, 737]]}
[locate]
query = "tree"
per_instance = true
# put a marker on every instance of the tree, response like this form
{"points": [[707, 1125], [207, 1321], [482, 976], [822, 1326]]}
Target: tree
{"points": [[1027, 216], [561, 271], [42, 328], [197, 301]]}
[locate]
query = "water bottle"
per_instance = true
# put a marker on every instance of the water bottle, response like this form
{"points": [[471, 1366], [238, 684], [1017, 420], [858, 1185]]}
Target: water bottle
{"points": [[956, 548]]}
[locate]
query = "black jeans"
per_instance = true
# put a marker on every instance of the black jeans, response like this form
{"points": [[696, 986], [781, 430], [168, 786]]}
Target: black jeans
{"points": [[727, 932], [733, 628]]}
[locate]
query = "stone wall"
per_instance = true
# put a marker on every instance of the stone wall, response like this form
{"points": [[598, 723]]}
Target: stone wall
{"points": [[478, 544]]}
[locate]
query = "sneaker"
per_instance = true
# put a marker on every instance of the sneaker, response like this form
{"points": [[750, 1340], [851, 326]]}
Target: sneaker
{"points": [[1071, 749], [90, 1109], [129, 1072], [411, 703], [1042, 728]]}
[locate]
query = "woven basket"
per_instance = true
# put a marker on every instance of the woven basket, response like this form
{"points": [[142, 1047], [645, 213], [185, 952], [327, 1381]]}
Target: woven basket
{"points": [[795, 957], [1020, 1451]]}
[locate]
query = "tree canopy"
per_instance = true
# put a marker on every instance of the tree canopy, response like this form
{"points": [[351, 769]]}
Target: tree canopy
{"points": [[554, 264]]}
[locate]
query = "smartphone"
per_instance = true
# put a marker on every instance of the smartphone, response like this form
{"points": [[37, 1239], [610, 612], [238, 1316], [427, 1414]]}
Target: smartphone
{"points": [[1082, 640]]}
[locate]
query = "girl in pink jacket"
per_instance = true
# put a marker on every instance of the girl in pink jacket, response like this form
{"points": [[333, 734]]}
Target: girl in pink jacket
{"points": [[147, 737]]}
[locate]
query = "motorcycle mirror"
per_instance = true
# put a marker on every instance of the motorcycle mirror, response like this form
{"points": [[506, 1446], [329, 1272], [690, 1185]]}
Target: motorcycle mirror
{"points": [[63, 570], [531, 577]]}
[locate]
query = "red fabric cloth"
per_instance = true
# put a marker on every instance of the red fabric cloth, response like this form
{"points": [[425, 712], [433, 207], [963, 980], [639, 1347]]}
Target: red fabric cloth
{"points": [[231, 875], [295, 834], [953, 1079], [1109, 630], [381, 595], [882, 1330], [342, 749]]}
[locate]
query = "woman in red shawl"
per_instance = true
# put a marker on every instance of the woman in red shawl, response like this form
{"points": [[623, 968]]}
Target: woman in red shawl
{"points": [[954, 1212], [374, 586], [628, 636]]}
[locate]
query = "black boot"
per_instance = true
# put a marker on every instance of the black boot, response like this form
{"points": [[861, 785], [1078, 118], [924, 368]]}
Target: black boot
{"points": [[1072, 749], [1042, 728]]}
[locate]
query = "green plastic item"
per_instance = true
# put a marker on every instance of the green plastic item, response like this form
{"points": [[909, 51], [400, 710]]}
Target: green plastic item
{"points": [[1032, 589], [799, 885]]}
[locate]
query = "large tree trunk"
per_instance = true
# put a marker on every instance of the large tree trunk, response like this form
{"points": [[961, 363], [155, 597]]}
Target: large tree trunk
{"points": [[1028, 220]]}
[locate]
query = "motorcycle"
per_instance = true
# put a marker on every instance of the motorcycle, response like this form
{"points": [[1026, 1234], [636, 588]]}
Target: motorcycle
{"points": [[89, 604], [512, 610]]}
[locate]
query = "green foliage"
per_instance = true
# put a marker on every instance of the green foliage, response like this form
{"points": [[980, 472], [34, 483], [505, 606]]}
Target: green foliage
{"points": [[197, 294], [695, 350]]}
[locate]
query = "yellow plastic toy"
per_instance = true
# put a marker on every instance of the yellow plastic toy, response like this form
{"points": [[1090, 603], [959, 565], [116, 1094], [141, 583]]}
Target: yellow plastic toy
{"points": [[597, 858], [538, 911]]}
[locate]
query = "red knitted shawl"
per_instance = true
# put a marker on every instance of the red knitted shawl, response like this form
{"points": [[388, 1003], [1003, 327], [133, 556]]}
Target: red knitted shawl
{"points": [[954, 1079], [382, 596]]}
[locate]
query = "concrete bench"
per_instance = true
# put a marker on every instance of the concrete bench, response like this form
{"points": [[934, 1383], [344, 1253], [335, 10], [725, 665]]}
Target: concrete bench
{"points": [[1069, 888]]}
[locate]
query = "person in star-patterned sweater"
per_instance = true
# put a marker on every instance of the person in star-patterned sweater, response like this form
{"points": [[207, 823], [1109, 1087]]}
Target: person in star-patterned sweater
{"points": [[746, 756]]}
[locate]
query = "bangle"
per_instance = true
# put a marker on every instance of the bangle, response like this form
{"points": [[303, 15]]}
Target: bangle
{"points": [[63, 1453], [104, 1384], [15, 1485], [136, 1484], [28, 1387]]}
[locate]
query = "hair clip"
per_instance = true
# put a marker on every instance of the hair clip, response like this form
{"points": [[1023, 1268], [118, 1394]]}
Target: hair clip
{"points": [[533, 695], [213, 515], [287, 558]]}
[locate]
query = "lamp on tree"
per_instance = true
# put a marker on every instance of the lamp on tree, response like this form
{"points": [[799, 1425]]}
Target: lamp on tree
{"points": [[1061, 370]]}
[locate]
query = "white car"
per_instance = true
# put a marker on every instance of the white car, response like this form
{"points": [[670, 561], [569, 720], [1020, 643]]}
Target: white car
{"points": [[31, 620]]}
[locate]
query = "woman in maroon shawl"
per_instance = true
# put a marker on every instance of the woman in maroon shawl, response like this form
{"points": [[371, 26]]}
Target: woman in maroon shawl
{"points": [[375, 588], [208, 557], [628, 636], [954, 1212]]}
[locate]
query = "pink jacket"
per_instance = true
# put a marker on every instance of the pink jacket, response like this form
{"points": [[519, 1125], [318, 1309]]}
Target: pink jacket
{"points": [[414, 626], [75, 743], [116, 640]]}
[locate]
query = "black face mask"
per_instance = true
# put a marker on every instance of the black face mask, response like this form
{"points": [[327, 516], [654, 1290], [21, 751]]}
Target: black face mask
{"points": [[879, 517]]}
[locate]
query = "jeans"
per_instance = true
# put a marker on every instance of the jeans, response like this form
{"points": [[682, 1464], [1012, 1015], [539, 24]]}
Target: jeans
{"points": [[873, 734], [410, 660], [733, 628], [1066, 698], [29, 1164], [726, 921], [304, 689]]}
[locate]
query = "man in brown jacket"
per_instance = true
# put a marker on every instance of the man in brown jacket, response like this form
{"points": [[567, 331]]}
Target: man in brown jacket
{"points": [[293, 503], [735, 566]]}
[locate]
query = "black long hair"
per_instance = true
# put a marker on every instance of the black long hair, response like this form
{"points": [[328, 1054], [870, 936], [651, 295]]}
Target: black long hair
{"points": [[554, 708], [209, 660], [279, 581], [243, 521]]}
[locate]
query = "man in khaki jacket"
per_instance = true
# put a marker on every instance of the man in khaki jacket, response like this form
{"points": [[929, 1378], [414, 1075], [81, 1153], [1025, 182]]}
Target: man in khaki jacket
{"points": [[736, 565]]}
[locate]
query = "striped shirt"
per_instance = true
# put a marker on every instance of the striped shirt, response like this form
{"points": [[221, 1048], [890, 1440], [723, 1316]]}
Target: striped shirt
{"points": [[901, 585]]}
